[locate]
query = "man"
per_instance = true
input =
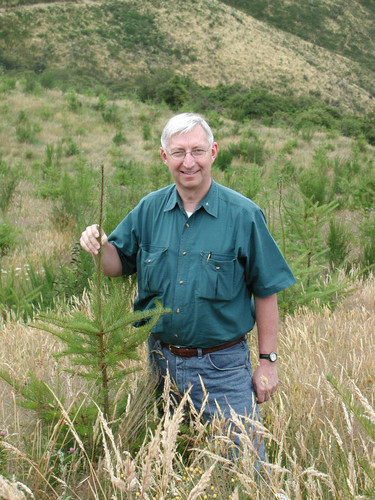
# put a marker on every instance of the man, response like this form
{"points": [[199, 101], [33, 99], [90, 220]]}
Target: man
{"points": [[205, 252]]}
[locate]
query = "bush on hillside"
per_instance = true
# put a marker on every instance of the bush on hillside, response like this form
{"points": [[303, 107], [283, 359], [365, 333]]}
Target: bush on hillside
{"points": [[9, 179], [8, 237], [251, 150], [224, 159]]}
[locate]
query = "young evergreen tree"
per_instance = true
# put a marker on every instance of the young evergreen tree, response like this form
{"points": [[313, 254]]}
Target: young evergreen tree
{"points": [[100, 340]]}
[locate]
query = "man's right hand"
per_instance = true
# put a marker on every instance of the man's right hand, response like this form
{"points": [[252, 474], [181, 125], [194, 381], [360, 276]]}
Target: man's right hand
{"points": [[89, 239]]}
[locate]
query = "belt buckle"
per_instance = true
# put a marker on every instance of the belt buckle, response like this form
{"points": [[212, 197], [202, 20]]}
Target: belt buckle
{"points": [[170, 347]]}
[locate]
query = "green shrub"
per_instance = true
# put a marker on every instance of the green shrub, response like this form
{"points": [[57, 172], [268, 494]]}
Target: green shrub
{"points": [[51, 172], [314, 116], [73, 204], [253, 182], [30, 82], [147, 85], [224, 159], [256, 102], [72, 99], [102, 102], [8, 237], [130, 174], [363, 190], [25, 133], [313, 185], [289, 146], [162, 85], [307, 132], [367, 239], [173, 92], [159, 176], [338, 242], [345, 171], [287, 170], [111, 114], [251, 150], [246, 179], [47, 80], [119, 138], [9, 179], [146, 131], [7, 83], [71, 147]]}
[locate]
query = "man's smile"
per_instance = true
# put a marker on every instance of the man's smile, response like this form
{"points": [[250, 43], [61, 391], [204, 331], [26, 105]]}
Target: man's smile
{"points": [[188, 172]]}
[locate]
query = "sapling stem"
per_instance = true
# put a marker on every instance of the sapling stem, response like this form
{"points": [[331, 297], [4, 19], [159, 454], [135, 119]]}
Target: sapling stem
{"points": [[102, 347]]}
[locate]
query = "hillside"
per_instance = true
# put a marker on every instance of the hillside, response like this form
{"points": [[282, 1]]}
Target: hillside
{"points": [[115, 44], [347, 28]]}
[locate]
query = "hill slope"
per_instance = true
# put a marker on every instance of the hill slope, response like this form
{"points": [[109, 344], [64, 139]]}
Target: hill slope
{"points": [[347, 28], [114, 42]]}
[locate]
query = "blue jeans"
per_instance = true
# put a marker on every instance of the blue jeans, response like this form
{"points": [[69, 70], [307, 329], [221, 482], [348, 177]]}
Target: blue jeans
{"points": [[226, 376]]}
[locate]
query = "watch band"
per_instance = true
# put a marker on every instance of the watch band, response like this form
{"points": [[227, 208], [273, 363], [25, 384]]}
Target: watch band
{"points": [[272, 356]]}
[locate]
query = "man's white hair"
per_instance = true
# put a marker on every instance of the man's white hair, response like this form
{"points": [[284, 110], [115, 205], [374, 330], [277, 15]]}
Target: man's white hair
{"points": [[183, 123]]}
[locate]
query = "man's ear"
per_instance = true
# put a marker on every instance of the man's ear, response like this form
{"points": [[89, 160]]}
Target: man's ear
{"points": [[214, 150], [163, 155]]}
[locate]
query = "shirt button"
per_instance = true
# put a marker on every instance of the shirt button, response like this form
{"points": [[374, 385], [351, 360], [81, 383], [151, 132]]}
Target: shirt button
{"points": [[206, 203], [181, 282], [148, 260], [184, 253], [177, 310], [187, 224], [217, 268]]}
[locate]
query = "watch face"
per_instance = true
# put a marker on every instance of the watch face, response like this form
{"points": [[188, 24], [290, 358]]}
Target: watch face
{"points": [[273, 356]]}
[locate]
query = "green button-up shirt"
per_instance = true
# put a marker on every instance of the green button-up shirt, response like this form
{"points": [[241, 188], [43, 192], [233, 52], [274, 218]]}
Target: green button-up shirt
{"points": [[205, 268]]}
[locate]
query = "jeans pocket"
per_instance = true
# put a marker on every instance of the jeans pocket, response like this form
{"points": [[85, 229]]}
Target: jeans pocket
{"points": [[233, 358]]}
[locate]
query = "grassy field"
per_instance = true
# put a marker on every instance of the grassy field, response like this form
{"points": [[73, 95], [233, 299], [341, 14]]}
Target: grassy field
{"points": [[53, 144], [319, 448], [86, 85]]}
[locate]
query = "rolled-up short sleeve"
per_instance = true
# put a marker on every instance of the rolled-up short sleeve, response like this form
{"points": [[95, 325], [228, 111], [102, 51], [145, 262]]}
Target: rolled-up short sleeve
{"points": [[125, 239], [266, 270]]}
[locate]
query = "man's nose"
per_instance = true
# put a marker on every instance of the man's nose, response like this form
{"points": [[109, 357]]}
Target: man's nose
{"points": [[189, 159]]}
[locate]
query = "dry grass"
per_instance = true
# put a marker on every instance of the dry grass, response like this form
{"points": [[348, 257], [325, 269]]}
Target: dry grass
{"points": [[309, 425]]}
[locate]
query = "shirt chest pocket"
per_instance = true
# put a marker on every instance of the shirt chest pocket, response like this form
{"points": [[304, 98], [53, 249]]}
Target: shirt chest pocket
{"points": [[217, 279], [153, 267]]}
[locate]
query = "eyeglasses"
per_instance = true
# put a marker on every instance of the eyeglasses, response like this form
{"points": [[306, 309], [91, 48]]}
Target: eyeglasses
{"points": [[195, 153]]}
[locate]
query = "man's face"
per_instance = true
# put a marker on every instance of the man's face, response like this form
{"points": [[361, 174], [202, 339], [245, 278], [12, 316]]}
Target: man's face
{"points": [[189, 172]]}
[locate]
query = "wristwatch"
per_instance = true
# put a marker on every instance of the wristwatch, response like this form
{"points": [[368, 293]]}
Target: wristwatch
{"points": [[272, 356]]}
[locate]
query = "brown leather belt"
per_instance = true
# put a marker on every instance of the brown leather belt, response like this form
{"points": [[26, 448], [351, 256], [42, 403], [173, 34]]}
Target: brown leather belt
{"points": [[189, 352]]}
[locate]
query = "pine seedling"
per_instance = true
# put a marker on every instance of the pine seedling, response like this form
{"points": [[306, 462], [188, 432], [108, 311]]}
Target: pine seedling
{"points": [[307, 253], [100, 342]]}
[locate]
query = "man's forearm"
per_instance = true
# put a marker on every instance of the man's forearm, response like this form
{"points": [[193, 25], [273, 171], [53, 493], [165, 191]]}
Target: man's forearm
{"points": [[265, 377], [267, 320], [111, 263]]}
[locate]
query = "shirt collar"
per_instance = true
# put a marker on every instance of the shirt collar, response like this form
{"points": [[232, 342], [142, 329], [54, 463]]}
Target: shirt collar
{"points": [[209, 202], [173, 199]]}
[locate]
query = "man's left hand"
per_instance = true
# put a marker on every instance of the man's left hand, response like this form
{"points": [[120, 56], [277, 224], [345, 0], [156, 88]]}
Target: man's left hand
{"points": [[265, 380]]}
